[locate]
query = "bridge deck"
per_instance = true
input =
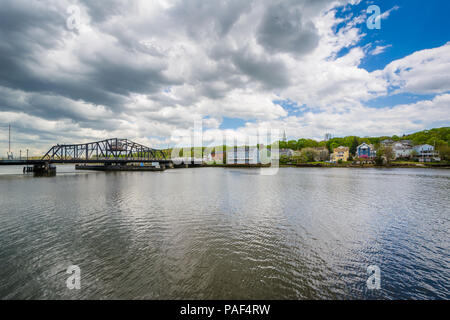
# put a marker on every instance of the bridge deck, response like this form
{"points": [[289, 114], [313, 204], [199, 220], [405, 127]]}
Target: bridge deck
{"points": [[80, 161]]}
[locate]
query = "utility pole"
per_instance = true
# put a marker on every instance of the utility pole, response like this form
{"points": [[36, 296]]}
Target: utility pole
{"points": [[9, 155]]}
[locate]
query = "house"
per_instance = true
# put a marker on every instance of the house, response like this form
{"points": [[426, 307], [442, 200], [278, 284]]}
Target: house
{"points": [[387, 142], [213, 156], [286, 152], [402, 149], [217, 156], [426, 153], [322, 154], [243, 155], [341, 153], [366, 151]]}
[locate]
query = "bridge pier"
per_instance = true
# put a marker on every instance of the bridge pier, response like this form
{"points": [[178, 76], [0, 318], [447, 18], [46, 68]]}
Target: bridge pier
{"points": [[44, 170]]}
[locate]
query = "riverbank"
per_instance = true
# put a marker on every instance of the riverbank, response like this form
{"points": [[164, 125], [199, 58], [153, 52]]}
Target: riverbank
{"points": [[369, 165], [250, 165], [337, 165]]}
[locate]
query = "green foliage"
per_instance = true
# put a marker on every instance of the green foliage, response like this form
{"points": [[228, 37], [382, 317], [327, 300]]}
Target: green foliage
{"points": [[384, 154], [300, 144], [306, 143], [354, 146], [379, 158], [308, 155], [444, 152], [438, 136], [284, 159], [292, 145]]}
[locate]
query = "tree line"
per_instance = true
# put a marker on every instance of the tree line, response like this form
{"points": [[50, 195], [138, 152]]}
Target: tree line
{"points": [[439, 137]]}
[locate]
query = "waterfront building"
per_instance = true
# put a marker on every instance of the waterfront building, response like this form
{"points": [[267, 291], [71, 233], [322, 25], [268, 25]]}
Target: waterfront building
{"points": [[426, 153], [402, 149], [340, 153], [286, 152], [322, 154], [366, 151], [243, 155], [216, 156], [387, 142]]}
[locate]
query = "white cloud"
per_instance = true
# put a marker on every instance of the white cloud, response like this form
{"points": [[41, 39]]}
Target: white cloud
{"points": [[387, 13], [145, 69], [423, 72], [379, 50]]}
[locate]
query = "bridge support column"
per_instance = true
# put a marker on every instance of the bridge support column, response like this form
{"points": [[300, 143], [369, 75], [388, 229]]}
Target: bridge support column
{"points": [[44, 170]]}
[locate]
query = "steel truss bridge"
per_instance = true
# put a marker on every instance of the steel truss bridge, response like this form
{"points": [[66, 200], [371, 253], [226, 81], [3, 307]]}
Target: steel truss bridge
{"points": [[110, 151]]}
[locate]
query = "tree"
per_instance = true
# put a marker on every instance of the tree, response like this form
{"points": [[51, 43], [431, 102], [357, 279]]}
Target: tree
{"points": [[282, 144], [444, 152], [354, 146], [284, 159], [308, 155], [384, 155], [292, 144]]}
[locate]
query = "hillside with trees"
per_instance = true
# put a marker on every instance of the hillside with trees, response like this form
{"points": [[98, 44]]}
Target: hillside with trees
{"points": [[439, 137]]}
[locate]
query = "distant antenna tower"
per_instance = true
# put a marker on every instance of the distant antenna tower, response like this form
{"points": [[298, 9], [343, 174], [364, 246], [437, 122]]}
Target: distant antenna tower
{"points": [[9, 155], [284, 136], [328, 136]]}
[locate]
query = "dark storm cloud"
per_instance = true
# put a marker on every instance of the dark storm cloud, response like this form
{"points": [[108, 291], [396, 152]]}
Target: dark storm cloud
{"points": [[272, 73], [26, 29], [200, 17], [30, 30], [100, 11], [284, 29], [126, 76]]}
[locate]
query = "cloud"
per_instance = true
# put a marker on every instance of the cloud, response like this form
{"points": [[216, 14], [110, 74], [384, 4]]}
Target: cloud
{"points": [[387, 13], [364, 121], [145, 69], [284, 29], [423, 72], [379, 50]]}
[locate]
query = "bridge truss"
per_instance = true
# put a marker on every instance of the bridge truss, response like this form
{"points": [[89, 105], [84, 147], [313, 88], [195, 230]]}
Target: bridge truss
{"points": [[110, 149]]}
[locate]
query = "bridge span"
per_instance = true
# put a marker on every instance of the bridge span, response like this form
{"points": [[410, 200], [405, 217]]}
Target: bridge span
{"points": [[110, 152]]}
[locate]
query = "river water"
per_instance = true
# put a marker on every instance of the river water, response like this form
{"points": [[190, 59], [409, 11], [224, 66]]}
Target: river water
{"points": [[215, 233]]}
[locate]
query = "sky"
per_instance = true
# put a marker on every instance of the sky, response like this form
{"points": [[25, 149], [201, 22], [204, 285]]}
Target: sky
{"points": [[74, 71]]}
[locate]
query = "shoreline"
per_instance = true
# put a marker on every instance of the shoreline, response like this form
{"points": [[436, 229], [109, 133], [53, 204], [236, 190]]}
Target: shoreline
{"points": [[367, 166], [321, 165]]}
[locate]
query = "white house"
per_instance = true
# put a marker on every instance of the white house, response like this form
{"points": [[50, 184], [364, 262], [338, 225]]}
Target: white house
{"points": [[402, 149], [426, 153], [243, 155]]}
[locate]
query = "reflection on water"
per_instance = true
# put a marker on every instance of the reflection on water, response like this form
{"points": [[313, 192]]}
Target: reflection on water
{"points": [[214, 233]]}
